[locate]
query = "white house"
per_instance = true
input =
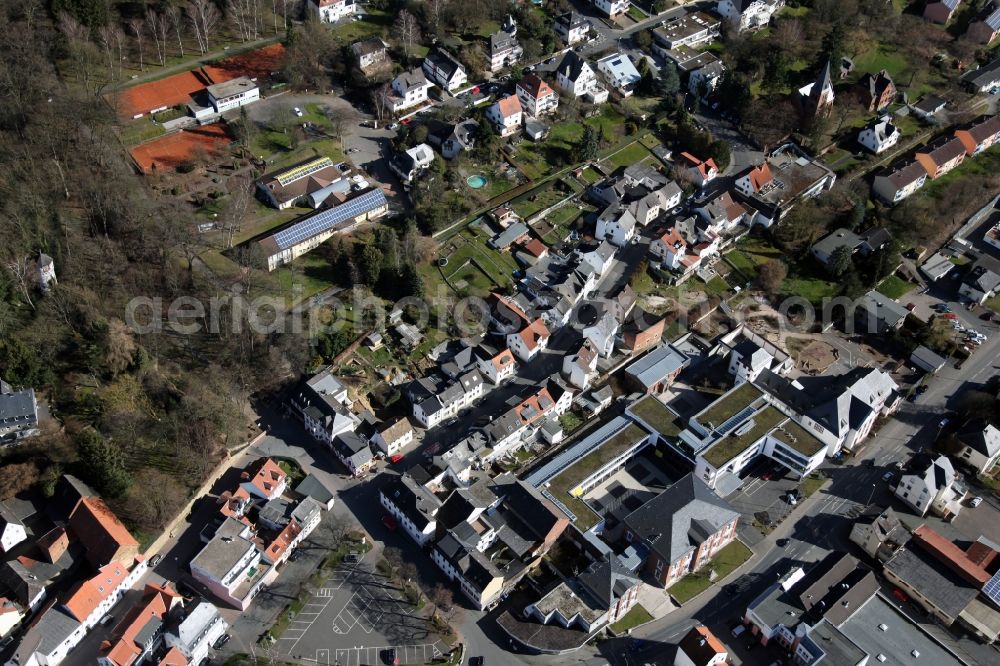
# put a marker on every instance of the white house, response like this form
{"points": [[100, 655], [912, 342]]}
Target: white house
{"points": [[410, 164], [530, 341], [748, 14], [331, 11], [979, 446], [195, 634], [506, 115], [444, 70], [681, 249], [722, 213], [580, 367], [601, 334], [503, 50], [12, 530], [619, 72], [413, 507], [575, 77], [600, 258], [408, 90], [702, 172], [450, 400], [391, 439], [233, 94], [935, 489], [979, 285], [879, 136], [572, 28], [616, 224], [230, 565], [537, 97], [611, 8], [899, 181], [703, 81], [496, 366]]}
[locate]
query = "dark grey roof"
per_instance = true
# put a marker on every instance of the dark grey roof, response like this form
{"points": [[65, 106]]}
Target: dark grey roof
{"points": [[942, 587], [607, 580], [984, 75], [18, 405], [983, 279], [311, 486], [657, 365], [149, 630], [571, 20], [838, 238], [414, 78], [897, 643], [526, 503], [981, 437], [883, 308], [444, 61], [50, 631], [277, 511], [571, 65], [665, 521], [413, 500]]}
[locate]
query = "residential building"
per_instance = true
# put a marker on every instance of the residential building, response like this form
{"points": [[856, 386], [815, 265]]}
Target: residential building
{"points": [[748, 14], [986, 27], [572, 28], [642, 190], [616, 225], [232, 94], [140, 632], [611, 8], [941, 156], [331, 11], [196, 632], [230, 565], [604, 329], [515, 233], [642, 330], [444, 70], [879, 136], [413, 162], [495, 365], [937, 266], [985, 78], [575, 77], [452, 139], [12, 530], [703, 80], [879, 533], [700, 647], [477, 576], [702, 172], [537, 97], [370, 54], [899, 181], [104, 538], [291, 240], [978, 446], [580, 366], [681, 529], [354, 452], [63, 624], [656, 371], [751, 354], [408, 90], [936, 489], [722, 214], [792, 176], [619, 72], [687, 30], [448, 399], [394, 437], [307, 183], [503, 50], [506, 115], [18, 413], [528, 342], [979, 284], [599, 259], [877, 91], [685, 246], [263, 478], [11, 615], [324, 407], [941, 11], [878, 314], [979, 135], [816, 99], [928, 106], [413, 506]]}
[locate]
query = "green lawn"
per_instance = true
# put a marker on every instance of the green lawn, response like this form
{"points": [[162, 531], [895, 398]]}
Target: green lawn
{"points": [[884, 57], [376, 22], [743, 263], [811, 483], [630, 154], [716, 286], [140, 131], [590, 176], [632, 619], [724, 563], [895, 287]]}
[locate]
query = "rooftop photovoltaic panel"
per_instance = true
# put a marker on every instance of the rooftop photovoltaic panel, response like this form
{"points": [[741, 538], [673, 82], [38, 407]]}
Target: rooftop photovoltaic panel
{"points": [[303, 170], [329, 218], [992, 588]]}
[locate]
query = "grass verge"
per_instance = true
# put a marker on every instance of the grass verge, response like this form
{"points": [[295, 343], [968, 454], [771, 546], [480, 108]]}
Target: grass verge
{"points": [[724, 563]]}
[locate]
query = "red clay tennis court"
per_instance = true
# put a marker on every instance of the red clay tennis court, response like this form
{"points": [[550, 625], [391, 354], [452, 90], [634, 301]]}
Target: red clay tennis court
{"points": [[177, 89], [169, 152]]}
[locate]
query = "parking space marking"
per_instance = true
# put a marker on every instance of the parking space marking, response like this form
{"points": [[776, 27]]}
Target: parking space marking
{"points": [[358, 655]]}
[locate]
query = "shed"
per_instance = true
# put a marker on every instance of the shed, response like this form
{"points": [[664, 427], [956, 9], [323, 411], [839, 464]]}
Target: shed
{"points": [[925, 359]]}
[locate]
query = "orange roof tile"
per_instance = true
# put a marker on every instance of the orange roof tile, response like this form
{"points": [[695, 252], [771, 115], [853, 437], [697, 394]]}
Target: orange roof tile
{"points": [[99, 530], [509, 106], [536, 87], [173, 657], [89, 594], [283, 540], [504, 359], [156, 601], [535, 248], [534, 333], [672, 238], [760, 176], [946, 552], [265, 475]]}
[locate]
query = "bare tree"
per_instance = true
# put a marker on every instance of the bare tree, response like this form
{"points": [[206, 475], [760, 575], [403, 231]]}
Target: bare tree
{"points": [[20, 270], [407, 30], [437, 7], [173, 13], [241, 191], [380, 100], [204, 18], [151, 25], [107, 42], [136, 25]]}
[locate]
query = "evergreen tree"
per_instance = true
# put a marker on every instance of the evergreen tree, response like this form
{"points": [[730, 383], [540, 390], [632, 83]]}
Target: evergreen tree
{"points": [[102, 463], [589, 146]]}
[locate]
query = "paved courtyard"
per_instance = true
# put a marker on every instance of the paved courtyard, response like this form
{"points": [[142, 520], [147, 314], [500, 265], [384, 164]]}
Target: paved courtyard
{"points": [[359, 618]]}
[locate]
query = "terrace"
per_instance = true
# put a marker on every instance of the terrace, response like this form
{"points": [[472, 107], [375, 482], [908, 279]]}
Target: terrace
{"points": [[564, 484], [797, 438], [655, 414], [729, 405], [731, 446]]}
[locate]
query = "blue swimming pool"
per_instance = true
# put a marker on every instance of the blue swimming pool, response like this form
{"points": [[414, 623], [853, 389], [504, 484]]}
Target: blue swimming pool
{"points": [[477, 181]]}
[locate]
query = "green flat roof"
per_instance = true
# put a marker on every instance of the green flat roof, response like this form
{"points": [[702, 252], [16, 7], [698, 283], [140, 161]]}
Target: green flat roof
{"points": [[561, 484], [798, 438], [657, 416], [729, 405], [730, 446]]}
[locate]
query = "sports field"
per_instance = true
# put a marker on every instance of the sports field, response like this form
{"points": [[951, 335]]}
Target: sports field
{"points": [[173, 150]]}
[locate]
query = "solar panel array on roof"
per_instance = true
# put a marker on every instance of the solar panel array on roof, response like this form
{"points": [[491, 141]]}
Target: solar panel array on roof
{"points": [[303, 170], [992, 588], [326, 219]]}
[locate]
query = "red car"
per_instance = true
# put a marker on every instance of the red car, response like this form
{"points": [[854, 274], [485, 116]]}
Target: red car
{"points": [[900, 595], [396, 458], [950, 316], [389, 522], [766, 476], [406, 121]]}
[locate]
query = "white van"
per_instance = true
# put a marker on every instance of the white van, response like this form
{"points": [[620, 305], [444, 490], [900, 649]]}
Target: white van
{"points": [[738, 630]]}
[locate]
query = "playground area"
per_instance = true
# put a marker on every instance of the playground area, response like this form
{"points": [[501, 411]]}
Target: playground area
{"points": [[180, 148]]}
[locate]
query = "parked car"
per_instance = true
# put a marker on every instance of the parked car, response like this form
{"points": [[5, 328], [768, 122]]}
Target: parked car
{"points": [[888, 476], [738, 630], [298, 112], [106, 620], [155, 559], [395, 458], [975, 501], [949, 316], [220, 641], [389, 522], [944, 422]]}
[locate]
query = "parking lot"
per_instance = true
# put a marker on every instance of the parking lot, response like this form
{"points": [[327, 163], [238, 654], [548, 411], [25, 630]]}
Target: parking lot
{"points": [[358, 618]]}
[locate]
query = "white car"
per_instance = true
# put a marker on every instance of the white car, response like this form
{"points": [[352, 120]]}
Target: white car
{"points": [[975, 501], [298, 112]]}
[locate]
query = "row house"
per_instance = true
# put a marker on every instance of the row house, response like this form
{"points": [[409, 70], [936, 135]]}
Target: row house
{"points": [[353, 451], [979, 135], [444, 70], [140, 633], [899, 181], [510, 431], [580, 366], [196, 632], [323, 405], [393, 437], [537, 97], [941, 156], [413, 506], [603, 332], [683, 247], [616, 224], [449, 401]]}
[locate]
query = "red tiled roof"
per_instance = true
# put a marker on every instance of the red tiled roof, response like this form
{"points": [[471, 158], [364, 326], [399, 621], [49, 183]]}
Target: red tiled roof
{"points": [[535, 248], [282, 542], [760, 176], [265, 475], [509, 106], [534, 333], [981, 555], [156, 602], [535, 86], [503, 359], [672, 237], [89, 594], [103, 536], [173, 657], [950, 555]]}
